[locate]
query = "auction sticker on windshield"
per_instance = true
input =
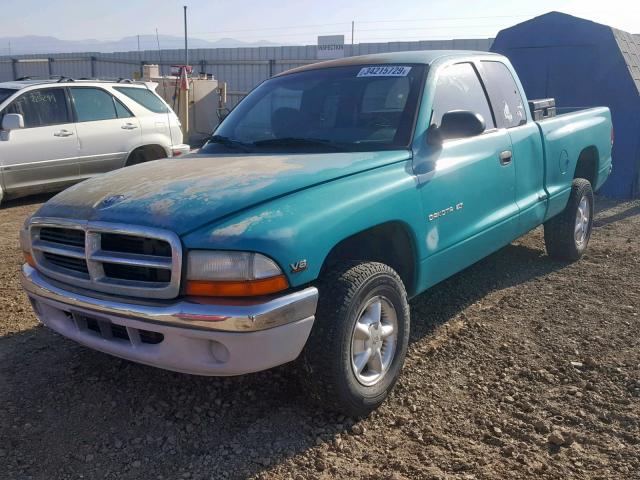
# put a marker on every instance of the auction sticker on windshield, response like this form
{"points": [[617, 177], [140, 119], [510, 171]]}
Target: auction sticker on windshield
{"points": [[384, 71]]}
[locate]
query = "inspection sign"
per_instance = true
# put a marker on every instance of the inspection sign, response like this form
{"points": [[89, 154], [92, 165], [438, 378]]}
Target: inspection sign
{"points": [[330, 46]]}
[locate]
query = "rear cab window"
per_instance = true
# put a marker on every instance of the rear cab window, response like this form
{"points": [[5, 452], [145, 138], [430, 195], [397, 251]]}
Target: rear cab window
{"points": [[144, 97], [507, 102], [40, 108], [459, 88]]}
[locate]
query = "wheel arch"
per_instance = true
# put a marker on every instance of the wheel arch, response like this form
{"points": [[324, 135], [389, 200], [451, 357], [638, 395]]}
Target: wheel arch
{"points": [[587, 165], [153, 150], [391, 243]]}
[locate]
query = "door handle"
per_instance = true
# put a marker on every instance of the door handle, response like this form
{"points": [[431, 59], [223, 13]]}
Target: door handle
{"points": [[129, 126], [63, 133], [506, 157]]}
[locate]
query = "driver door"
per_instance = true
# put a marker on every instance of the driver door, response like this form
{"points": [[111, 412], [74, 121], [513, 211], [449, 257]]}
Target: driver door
{"points": [[469, 197], [42, 155]]}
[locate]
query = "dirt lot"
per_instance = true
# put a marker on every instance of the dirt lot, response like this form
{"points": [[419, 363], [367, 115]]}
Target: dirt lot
{"points": [[519, 367]]}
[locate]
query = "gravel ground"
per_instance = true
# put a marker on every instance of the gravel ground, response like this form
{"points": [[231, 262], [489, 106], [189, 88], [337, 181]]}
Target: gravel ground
{"points": [[519, 367]]}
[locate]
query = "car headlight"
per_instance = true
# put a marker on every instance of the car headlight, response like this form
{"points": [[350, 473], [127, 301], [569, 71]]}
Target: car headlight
{"points": [[232, 274]]}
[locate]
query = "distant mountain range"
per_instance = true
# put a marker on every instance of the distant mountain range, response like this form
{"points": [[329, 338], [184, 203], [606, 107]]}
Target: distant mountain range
{"points": [[41, 44]]}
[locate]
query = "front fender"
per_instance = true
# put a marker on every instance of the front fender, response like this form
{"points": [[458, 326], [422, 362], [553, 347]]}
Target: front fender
{"points": [[307, 224]]}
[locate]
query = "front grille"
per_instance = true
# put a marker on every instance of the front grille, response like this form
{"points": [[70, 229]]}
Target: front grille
{"points": [[66, 236], [113, 242], [138, 274], [68, 263], [116, 259], [111, 331]]}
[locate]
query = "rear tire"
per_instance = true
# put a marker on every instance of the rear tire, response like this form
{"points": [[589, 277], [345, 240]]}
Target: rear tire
{"points": [[145, 154], [357, 347], [566, 235]]}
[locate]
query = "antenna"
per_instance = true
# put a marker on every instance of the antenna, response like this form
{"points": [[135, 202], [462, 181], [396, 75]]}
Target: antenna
{"points": [[186, 48]]}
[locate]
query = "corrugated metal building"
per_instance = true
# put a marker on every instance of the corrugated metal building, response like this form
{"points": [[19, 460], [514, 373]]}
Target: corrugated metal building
{"points": [[584, 64], [241, 68]]}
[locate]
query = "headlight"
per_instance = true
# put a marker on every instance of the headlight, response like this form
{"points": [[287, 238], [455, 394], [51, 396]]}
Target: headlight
{"points": [[232, 274]]}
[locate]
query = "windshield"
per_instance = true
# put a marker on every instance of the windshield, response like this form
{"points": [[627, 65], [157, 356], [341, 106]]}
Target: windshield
{"points": [[354, 108], [6, 93]]}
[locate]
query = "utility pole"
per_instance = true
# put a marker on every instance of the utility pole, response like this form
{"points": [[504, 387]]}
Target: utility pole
{"points": [[140, 59], [353, 26], [159, 53], [9, 47], [184, 83], [186, 48]]}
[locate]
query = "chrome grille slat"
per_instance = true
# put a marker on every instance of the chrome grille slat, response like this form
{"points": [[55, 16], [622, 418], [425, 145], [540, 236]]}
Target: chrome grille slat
{"points": [[151, 261], [134, 271], [59, 249]]}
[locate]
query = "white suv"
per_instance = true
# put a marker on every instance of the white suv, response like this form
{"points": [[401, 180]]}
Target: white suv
{"points": [[59, 132]]}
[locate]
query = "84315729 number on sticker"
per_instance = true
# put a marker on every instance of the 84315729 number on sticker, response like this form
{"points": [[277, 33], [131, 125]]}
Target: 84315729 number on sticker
{"points": [[384, 71]]}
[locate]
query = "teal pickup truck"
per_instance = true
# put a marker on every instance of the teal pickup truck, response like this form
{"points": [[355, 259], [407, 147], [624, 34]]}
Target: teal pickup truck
{"points": [[326, 199]]}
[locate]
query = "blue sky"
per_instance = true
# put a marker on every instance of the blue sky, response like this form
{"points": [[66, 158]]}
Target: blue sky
{"points": [[296, 22]]}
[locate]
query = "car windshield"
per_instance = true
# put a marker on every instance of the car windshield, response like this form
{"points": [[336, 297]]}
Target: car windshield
{"points": [[352, 108], [6, 93]]}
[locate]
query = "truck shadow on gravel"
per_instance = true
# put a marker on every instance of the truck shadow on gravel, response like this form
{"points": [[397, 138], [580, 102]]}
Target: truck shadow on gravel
{"points": [[70, 410], [511, 266]]}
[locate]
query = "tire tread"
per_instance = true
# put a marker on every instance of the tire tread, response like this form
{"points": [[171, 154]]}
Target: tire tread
{"points": [[558, 231], [338, 286]]}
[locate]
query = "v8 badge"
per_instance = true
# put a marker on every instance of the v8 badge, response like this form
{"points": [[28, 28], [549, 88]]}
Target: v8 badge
{"points": [[299, 266]]}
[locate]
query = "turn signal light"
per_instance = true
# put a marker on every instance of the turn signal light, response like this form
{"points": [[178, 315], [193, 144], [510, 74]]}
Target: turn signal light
{"points": [[29, 259], [242, 288]]}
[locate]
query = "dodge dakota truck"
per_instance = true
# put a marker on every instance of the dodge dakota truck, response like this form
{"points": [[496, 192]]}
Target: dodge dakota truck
{"points": [[326, 199]]}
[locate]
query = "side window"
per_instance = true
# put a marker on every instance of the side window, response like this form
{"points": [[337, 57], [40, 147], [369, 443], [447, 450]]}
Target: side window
{"points": [[93, 104], [144, 97], [121, 110], [505, 97], [40, 108], [459, 88]]}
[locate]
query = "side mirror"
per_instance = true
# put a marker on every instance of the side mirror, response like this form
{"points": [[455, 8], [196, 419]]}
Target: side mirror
{"points": [[12, 121], [434, 135], [461, 124]]}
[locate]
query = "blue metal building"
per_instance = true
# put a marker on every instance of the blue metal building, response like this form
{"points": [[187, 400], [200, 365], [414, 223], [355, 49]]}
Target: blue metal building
{"points": [[584, 64]]}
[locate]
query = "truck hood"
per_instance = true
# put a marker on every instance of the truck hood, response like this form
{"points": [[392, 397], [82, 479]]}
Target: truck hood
{"points": [[186, 193]]}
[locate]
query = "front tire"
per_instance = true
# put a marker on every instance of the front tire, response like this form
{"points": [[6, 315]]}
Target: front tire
{"points": [[567, 235], [358, 344]]}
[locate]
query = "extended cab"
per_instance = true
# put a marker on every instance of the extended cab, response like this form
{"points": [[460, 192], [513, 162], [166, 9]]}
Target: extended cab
{"points": [[329, 196]]}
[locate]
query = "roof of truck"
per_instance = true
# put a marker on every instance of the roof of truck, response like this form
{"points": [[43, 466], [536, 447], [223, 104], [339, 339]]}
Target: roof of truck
{"points": [[415, 56]]}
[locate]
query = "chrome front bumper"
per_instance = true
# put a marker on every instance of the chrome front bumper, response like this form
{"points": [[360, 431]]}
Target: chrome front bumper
{"points": [[199, 336]]}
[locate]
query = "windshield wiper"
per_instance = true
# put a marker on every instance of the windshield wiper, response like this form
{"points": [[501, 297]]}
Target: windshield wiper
{"points": [[296, 141], [228, 142]]}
